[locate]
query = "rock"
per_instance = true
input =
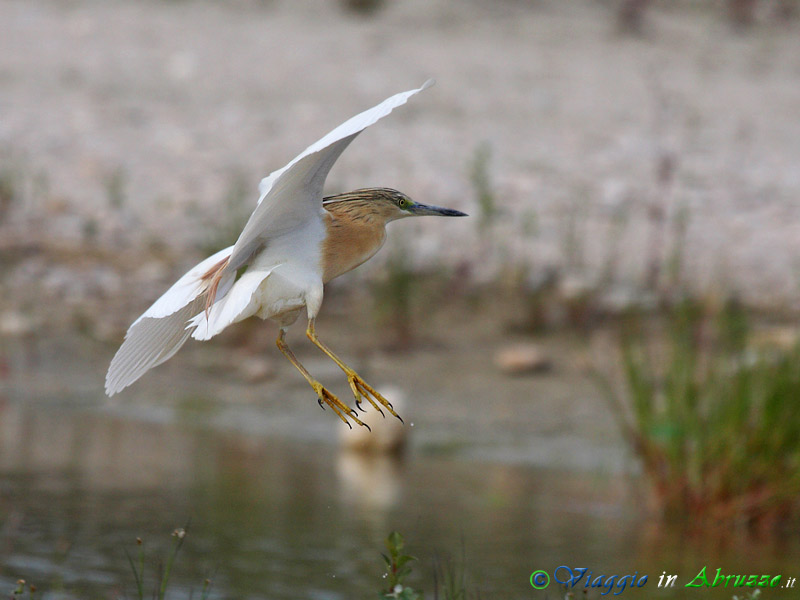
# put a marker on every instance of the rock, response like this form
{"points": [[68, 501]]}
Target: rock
{"points": [[620, 299], [776, 338], [576, 287], [15, 324], [521, 359]]}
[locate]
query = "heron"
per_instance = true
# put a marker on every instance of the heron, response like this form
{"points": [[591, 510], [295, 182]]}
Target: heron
{"points": [[293, 243]]}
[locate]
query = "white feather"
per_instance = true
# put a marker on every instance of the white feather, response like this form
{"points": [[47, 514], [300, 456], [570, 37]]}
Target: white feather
{"points": [[239, 303]]}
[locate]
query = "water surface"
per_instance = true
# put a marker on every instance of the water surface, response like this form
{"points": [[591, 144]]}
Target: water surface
{"points": [[281, 518]]}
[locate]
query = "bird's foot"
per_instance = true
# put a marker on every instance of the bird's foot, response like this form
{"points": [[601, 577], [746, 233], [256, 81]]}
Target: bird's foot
{"points": [[340, 408], [362, 390]]}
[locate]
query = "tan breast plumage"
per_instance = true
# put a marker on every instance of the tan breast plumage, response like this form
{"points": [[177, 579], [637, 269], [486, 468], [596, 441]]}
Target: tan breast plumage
{"points": [[353, 238]]}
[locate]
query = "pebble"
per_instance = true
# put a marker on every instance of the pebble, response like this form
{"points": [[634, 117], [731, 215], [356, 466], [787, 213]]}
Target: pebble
{"points": [[254, 369], [15, 324], [521, 359]]}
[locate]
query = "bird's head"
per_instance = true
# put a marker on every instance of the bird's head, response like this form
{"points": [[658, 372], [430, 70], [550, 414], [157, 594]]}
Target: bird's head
{"points": [[387, 204]]}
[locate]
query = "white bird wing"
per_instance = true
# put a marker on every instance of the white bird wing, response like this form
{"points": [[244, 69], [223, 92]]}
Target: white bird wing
{"points": [[162, 329], [292, 195]]}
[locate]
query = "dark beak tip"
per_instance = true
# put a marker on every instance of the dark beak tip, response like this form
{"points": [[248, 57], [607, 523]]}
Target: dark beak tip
{"points": [[426, 209], [451, 212]]}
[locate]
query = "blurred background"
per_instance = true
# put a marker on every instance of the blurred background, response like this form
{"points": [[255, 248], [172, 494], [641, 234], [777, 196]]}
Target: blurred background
{"points": [[599, 368]]}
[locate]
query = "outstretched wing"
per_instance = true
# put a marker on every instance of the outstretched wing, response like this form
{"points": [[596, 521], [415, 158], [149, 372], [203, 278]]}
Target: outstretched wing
{"points": [[164, 327], [292, 195]]}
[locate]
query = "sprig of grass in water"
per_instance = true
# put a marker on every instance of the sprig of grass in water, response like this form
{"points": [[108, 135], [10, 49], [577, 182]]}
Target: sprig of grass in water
{"points": [[19, 591], [449, 580], [138, 573], [179, 535], [164, 570]]}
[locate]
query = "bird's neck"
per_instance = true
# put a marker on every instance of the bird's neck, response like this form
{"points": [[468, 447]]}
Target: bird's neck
{"points": [[354, 235]]}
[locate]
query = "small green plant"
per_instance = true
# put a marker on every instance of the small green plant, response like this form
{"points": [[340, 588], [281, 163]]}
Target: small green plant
{"points": [[619, 222], [9, 189], [573, 232], [236, 209], [398, 568], [91, 228], [19, 591], [715, 423], [676, 259], [482, 184], [115, 184], [394, 295], [161, 583]]}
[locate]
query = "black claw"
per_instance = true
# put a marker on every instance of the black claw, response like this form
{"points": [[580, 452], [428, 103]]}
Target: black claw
{"points": [[367, 426], [321, 405], [348, 424], [359, 407], [401, 419]]}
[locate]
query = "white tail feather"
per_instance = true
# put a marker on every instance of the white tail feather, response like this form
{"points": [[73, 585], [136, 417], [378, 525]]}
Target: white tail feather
{"points": [[237, 304]]}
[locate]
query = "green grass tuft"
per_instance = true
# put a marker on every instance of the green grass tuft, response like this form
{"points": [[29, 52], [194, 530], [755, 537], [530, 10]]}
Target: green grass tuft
{"points": [[715, 423]]}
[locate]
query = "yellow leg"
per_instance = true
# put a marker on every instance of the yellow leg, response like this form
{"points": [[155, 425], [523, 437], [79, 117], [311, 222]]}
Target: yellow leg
{"points": [[340, 408], [361, 389]]}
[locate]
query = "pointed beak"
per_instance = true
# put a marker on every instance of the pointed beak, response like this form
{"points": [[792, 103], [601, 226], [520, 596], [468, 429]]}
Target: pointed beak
{"points": [[419, 210]]}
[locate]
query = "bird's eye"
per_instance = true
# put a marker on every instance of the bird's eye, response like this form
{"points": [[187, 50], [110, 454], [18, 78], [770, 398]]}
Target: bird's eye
{"points": [[402, 203]]}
